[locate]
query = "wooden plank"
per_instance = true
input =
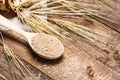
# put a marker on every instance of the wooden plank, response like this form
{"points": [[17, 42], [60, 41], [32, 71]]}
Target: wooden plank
{"points": [[80, 55], [82, 59], [11, 73], [75, 61]]}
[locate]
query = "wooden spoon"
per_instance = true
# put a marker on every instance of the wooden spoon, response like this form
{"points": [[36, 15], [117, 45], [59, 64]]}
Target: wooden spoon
{"points": [[44, 45]]}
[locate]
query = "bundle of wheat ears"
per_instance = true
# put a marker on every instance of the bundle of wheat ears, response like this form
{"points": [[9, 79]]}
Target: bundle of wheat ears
{"points": [[31, 12], [46, 16]]}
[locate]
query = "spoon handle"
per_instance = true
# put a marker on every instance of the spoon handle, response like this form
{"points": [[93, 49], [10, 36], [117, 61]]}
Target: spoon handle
{"points": [[7, 24]]}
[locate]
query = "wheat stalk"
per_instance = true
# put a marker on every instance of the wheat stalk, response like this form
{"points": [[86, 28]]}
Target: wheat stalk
{"points": [[14, 60], [93, 10], [92, 37]]}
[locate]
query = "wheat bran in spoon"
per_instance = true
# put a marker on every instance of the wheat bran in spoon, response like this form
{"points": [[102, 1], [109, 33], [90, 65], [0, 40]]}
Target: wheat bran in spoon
{"points": [[47, 46]]}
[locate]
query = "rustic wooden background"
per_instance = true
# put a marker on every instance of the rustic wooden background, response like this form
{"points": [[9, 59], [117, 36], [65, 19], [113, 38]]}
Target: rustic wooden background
{"points": [[82, 60]]}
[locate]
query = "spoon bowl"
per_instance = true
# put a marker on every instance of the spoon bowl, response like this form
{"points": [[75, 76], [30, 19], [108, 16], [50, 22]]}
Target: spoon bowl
{"points": [[45, 45]]}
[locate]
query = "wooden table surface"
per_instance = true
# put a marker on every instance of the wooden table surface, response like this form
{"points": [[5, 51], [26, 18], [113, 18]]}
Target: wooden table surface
{"points": [[82, 59]]}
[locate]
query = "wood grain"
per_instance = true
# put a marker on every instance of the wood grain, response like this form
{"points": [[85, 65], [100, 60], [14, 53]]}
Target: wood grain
{"points": [[78, 57], [11, 73], [82, 59]]}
